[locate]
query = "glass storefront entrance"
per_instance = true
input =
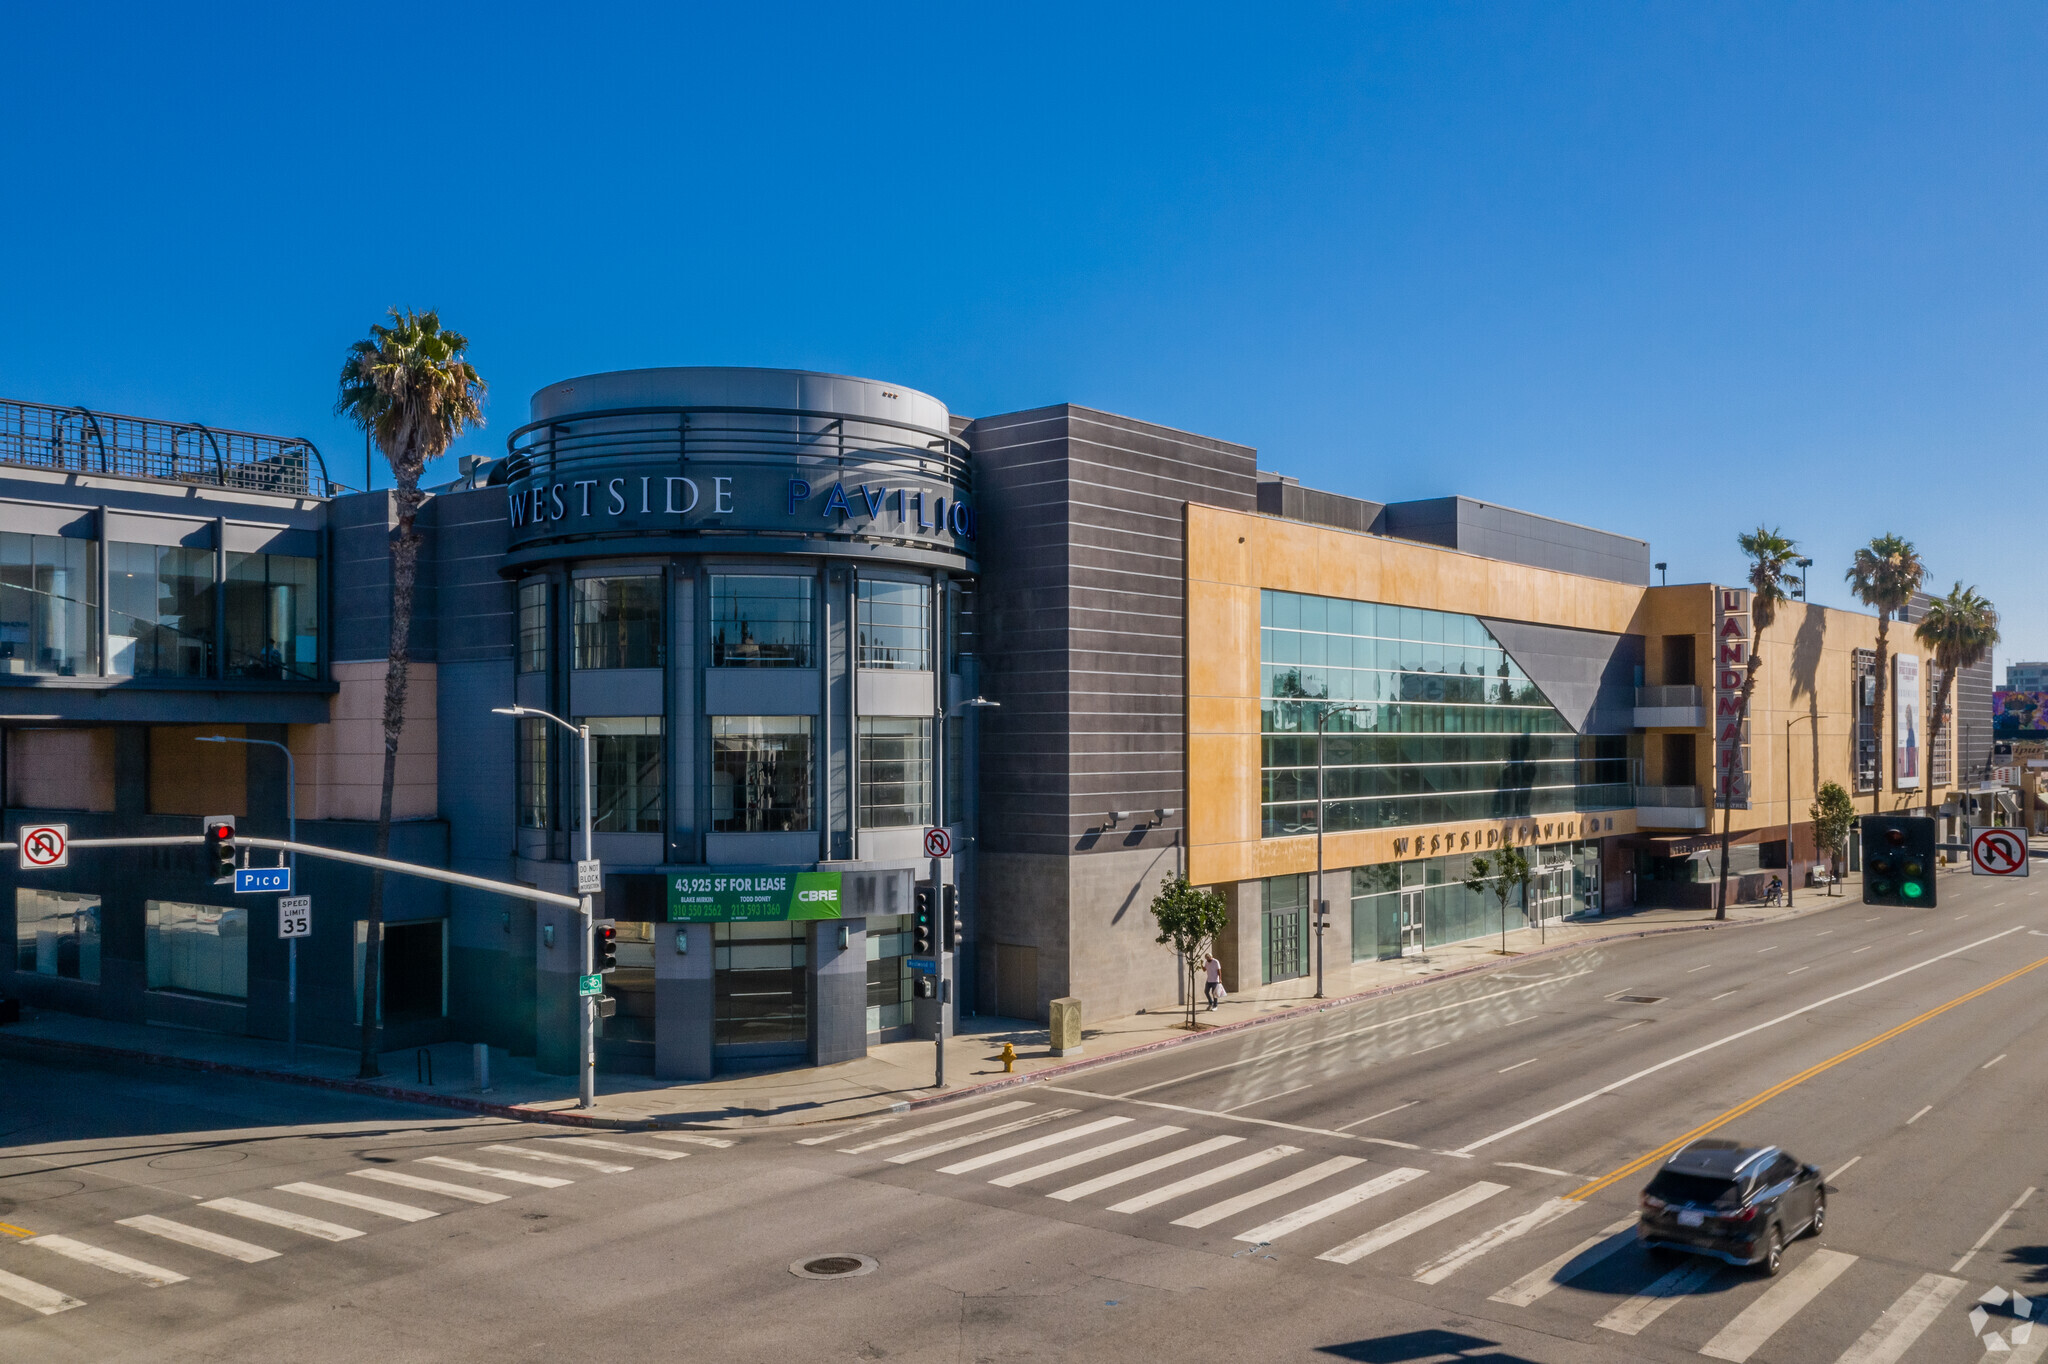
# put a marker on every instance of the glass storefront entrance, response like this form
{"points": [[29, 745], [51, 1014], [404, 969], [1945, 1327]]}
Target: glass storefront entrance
{"points": [[758, 994], [1404, 908]]}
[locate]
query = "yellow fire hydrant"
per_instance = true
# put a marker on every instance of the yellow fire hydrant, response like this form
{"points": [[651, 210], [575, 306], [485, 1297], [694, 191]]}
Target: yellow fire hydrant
{"points": [[1009, 1059]]}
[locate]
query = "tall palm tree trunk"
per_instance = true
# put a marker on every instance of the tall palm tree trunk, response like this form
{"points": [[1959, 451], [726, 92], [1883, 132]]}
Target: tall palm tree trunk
{"points": [[404, 571]]}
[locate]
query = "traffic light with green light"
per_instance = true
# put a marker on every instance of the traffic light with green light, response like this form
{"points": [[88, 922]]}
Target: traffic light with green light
{"points": [[1898, 861]]}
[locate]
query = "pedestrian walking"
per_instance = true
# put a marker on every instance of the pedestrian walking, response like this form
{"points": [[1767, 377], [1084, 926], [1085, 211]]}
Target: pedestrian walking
{"points": [[1214, 988]]}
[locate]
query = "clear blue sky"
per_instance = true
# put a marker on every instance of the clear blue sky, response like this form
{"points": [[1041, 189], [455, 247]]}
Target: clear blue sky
{"points": [[1664, 269]]}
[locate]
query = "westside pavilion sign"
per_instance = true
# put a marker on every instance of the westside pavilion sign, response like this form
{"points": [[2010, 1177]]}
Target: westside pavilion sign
{"points": [[1520, 833]]}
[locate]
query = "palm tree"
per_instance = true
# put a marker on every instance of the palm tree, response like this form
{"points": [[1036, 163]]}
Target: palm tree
{"points": [[1885, 575], [1770, 554], [1959, 631], [411, 388]]}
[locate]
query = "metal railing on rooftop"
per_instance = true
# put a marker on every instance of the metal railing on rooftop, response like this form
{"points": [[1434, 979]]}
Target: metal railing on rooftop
{"points": [[38, 436]]}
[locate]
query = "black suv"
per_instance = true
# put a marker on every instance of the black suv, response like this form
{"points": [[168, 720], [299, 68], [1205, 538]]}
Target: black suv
{"points": [[1735, 1202]]}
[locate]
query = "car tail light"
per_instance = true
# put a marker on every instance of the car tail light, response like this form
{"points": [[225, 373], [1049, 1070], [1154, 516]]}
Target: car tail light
{"points": [[1653, 1204], [1746, 1215]]}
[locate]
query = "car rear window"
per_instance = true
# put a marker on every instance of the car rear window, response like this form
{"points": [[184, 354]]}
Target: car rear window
{"points": [[1673, 1187]]}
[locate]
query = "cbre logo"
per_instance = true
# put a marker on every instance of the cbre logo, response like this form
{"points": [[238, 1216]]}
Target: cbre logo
{"points": [[813, 896]]}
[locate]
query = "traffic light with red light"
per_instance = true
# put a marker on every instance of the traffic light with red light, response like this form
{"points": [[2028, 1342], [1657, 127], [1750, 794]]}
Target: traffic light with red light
{"points": [[1898, 861], [604, 946], [220, 846]]}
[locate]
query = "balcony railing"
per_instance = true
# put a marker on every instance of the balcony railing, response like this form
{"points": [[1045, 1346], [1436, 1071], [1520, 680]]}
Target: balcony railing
{"points": [[1662, 697], [1669, 797], [73, 438]]}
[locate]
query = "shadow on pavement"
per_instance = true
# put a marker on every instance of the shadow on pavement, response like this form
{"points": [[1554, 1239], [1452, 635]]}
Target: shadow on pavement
{"points": [[1420, 1345]]}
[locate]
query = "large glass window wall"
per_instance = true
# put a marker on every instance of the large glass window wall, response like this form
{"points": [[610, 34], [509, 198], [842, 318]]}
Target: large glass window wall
{"points": [[533, 626], [536, 791], [891, 986], [618, 622], [760, 621], [895, 772], [49, 605], [1447, 726], [1429, 896], [57, 933], [760, 773], [626, 774], [894, 624], [197, 949], [273, 617], [159, 611]]}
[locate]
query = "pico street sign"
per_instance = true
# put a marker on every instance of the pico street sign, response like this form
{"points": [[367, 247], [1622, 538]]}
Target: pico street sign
{"points": [[1999, 852], [45, 847], [262, 880], [589, 877], [938, 843], [295, 916], [590, 985]]}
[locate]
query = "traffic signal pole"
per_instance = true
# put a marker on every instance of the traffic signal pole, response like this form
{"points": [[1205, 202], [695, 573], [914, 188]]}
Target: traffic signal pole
{"points": [[941, 949]]}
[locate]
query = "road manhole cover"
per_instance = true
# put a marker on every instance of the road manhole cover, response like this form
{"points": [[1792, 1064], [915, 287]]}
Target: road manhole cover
{"points": [[1639, 999], [835, 1266]]}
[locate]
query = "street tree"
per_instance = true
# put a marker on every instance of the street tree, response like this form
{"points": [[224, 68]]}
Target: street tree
{"points": [[1958, 632], [1191, 919], [1884, 576], [1501, 874], [1831, 813], [412, 388], [1769, 554]]}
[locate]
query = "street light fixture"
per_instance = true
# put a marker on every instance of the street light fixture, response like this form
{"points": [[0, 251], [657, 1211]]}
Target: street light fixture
{"points": [[1803, 564], [1789, 878], [291, 807], [1322, 904], [586, 1087]]}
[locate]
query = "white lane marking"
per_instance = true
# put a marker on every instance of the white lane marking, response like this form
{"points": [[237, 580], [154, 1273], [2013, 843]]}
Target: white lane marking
{"points": [[290, 1221], [1660, 1297], [1323, 1043], [1903, 1322], [1242, 1165], [1535, 1169], [1992, 1062], [1921, 1114], [1381, 1114], [1025, 1148], [1824, 932], [1379, 1238], [516, 1176], [1772, 948], [1266, 1097], [1844, 1170], [349, 1198], [1723, 995], [1141, 1169], [1266, 1193], [914, 1133], [1229, 1117], [722, 1142], [939, 1148], [1329, 1207], [1708, 967], [156, 1276], [1431, 1047], [1637, 1024], [1702, 1049], [845, 1132], [1797, 969], [1759, 1321], [1916, 932], [1093, 1153], [202, 1240], [1518, 1065], [35, 1296], [602, 1144], [1991, 1231], [1863, 949], [1569, 1265], [1441, 1268], [528, 1152], [438, 1186]]}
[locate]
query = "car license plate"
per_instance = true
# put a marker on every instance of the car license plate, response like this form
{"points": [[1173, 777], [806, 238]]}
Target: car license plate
{"points": [[1692, 1219]]}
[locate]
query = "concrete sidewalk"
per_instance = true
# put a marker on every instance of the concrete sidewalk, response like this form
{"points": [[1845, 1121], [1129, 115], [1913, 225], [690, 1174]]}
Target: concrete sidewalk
{"points": [[891, 1077]]}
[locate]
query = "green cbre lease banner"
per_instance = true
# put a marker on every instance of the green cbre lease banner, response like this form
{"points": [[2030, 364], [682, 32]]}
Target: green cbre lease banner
{"points": [[741, 894]]}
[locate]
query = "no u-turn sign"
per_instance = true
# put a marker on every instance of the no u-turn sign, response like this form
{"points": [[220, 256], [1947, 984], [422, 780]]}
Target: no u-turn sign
{"points": [[1999, 852]]}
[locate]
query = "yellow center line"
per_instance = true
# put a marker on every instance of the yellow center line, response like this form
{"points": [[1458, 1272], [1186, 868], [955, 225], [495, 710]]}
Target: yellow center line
{"points": [[1755, 1101], [9, 1229]]}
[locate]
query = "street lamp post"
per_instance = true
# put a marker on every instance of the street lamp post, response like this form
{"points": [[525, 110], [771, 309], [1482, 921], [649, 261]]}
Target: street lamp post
{"points": [[291, 807], [1322, 904], [1789, 877], [586, 1005]]}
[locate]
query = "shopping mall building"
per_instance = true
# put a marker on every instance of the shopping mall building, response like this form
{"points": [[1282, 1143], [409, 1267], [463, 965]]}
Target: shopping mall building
{"points": [[806, 619]]}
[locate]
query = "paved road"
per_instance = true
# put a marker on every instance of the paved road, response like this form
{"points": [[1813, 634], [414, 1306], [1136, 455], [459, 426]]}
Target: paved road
{"points": [[1448, 1173]]}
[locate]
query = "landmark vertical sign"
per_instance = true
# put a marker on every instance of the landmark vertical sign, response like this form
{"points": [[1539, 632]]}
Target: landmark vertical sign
{"points": [[1731, 726]]}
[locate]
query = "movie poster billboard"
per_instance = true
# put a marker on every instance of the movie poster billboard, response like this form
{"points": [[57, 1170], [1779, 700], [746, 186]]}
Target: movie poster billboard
{"points": [[1906, 722], [2019, 714]]}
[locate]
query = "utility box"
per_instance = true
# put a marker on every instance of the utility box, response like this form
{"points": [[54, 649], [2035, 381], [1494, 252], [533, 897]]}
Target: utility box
{"points": [[1063, 1018]]}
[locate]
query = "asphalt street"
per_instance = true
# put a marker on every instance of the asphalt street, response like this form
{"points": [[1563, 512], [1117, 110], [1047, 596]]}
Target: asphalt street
{"points": [[1447, 1172]]}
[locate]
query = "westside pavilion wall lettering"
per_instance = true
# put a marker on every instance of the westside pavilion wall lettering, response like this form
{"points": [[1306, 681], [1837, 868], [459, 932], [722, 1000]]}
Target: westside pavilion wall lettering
{"points": [[746, 499], [1510, 835]]}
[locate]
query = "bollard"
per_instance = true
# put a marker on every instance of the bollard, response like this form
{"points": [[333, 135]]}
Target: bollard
{"points": [[1009, 1059], [423, 1067], [480, 1064]]}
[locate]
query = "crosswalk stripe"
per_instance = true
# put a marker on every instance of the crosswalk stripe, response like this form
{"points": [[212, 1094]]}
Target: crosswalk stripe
{"points": [[1025, 1148], [1660, 1297], [201, 1240], [1335, 1203], [528, 1152], [1142, 1168], [1902, 1323], [1266, 1193], [1441, 1268], [979, 1115], [1241, 1165], [516, 1176], [1756, 1323], [939, 1148], [34, 1296], [692, 1138], [1068, 1162], [630, 1149], [290, 1221], [1379, 1238], [347, 1198], [156, 1276], [439, 1186], [1569, 1265], [841, 1134]]}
